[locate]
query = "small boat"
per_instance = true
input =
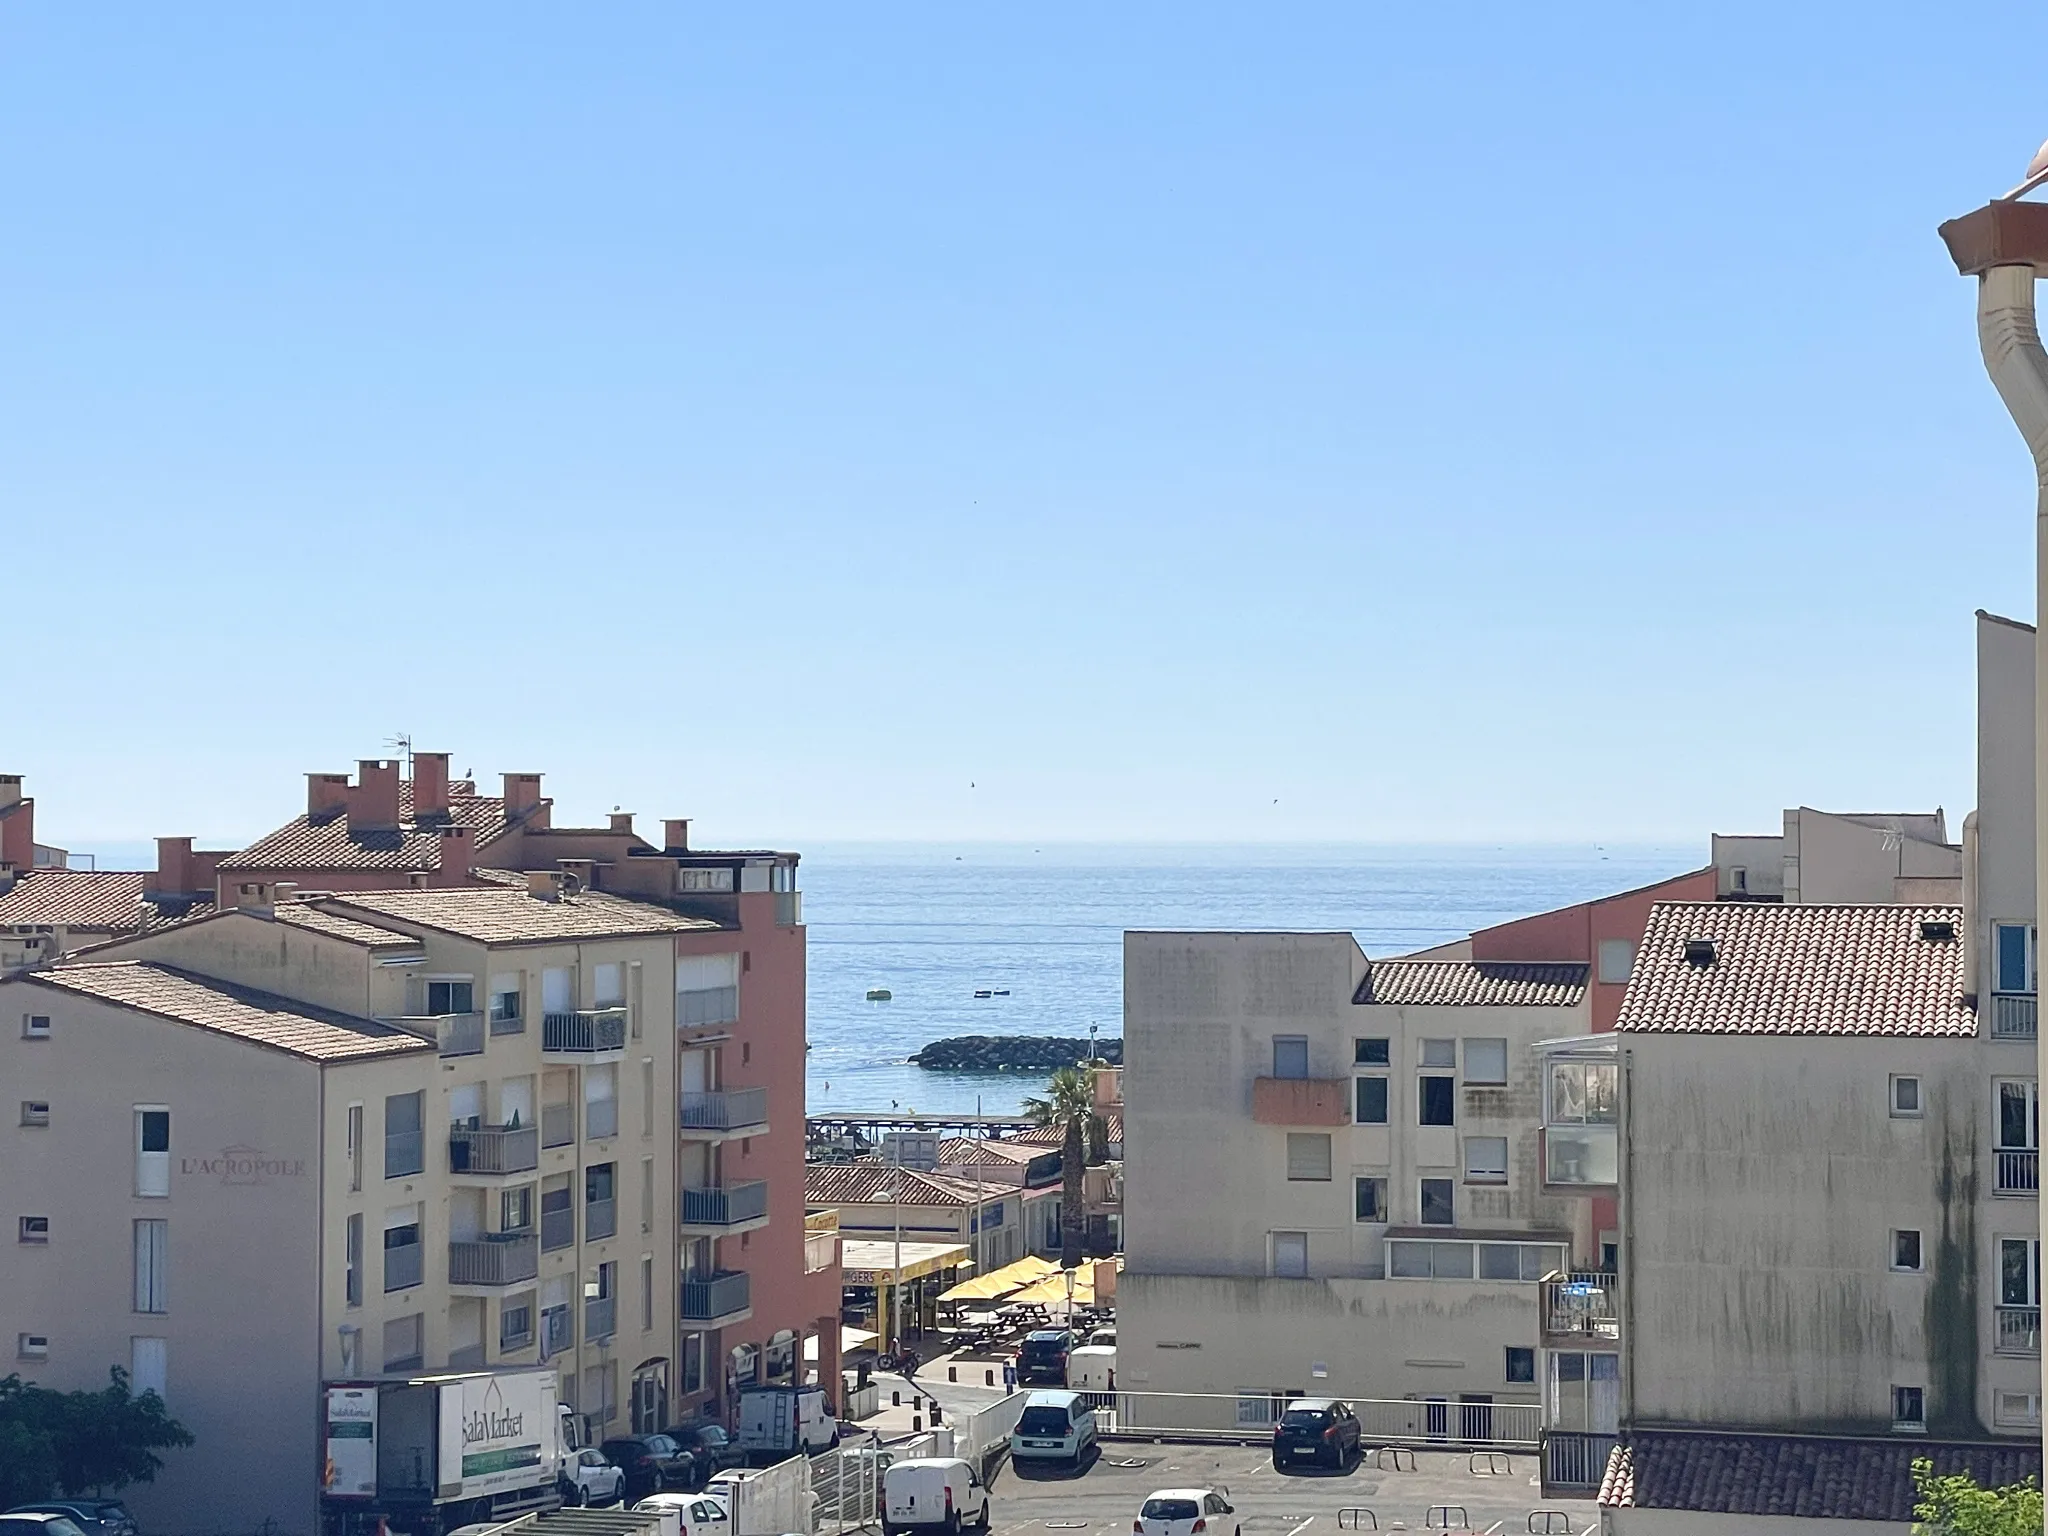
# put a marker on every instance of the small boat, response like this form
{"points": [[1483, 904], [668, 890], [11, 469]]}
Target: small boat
{"points": [[879, 994], [984, 992], [1002, 991]]}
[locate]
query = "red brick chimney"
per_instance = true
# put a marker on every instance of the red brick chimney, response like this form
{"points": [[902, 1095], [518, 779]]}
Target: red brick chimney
{"points": [[326, 793], [622, 821], [17, 825], [429, 785], [675, 835], [373, 798], [174, 873], [522, 794], [458, 854]]}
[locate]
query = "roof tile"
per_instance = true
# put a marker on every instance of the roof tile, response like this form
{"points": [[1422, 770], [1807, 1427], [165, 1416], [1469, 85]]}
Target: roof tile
{"points": [[1471, 984], [497, 914], [309, 844], [871, 1183], [91, 898]]}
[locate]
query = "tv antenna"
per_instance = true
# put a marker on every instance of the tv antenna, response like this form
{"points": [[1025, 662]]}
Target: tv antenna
{"points": [[403, 742]]}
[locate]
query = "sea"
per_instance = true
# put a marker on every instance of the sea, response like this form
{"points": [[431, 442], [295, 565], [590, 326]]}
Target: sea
{"points": [[934, 924]]}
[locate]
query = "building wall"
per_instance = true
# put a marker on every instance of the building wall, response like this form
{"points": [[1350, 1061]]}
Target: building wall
{"points": [[243, 1365], [1834, 859], [1687, 1522], [2005, 784], [276, 957]]}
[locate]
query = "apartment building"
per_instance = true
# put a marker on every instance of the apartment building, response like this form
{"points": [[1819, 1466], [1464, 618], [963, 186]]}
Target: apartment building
{"points": [[1842, 857], [1335, 1174]]}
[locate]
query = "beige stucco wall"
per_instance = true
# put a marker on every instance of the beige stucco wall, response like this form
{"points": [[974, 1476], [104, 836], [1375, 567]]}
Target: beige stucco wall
{"points": [[276, 957], [243, 1369], [2005, 784], [1843, 860]]}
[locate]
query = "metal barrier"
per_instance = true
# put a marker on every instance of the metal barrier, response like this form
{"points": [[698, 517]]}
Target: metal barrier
{"points": [[1353, 1518], [982, 1433], [1490, 1464], [1575, 1458], [1555, 1523], [1397, 1452], [1439, 1518], [1451, 1425]]}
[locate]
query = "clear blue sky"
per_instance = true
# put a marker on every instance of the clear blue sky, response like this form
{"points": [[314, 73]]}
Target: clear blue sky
{"points": [[1445, 422]]}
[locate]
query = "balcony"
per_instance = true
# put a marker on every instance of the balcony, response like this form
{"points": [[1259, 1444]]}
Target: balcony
{"points": [[1581, 1156], [2019, 1171], [600, 1317], [1301, 1100], [1574, 1459], [721, 1116], [585, 1036], [500, 1258], [2013, 1015], [454, 1034], [493, 1149], [403, 1267], [600, 1219], [789, 909], [715, 1301], [2019, 1332], [718, 1212], [1581, 1306]]}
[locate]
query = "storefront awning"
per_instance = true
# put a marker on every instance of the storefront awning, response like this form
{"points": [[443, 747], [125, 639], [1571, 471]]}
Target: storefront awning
{"points": [[869, 1261]]}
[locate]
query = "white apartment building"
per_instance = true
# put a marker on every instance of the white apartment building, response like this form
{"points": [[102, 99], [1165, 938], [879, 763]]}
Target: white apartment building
{"points": [[1338, 1177]]}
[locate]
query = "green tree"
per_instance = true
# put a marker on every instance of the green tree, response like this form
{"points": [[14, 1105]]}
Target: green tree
{"points": [[1069, 1103], [81, 1442], [1956, 1506]]}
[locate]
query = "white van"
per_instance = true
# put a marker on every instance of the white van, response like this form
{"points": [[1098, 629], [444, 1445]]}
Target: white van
{"points": [[1054, 1426], [932, 1491], [776, 1421]]}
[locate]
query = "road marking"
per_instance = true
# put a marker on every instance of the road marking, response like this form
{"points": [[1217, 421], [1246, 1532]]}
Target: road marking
{"points": [[1311, 1520]]}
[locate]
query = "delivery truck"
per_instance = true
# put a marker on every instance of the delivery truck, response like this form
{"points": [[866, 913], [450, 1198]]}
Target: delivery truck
{"points": [[433, 1453]]}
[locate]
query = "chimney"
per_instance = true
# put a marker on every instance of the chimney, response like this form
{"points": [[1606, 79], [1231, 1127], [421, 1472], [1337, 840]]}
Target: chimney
{"points": [[522, 794], [201, 869], [675, 835], [457, 848], [253, 895], [622, 821], [282, 892], [543, 884], [578, 874], [17, 825], [174, 873], [326, 793], [429, 785], [10, 790], [373, 801]]}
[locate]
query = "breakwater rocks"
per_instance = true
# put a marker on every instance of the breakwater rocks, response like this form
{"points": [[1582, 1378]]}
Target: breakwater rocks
{"points": [[1013, 1053]]}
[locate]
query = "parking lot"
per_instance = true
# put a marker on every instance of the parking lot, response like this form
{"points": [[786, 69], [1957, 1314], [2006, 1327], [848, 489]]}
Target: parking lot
{"points": [[1104, 1497]]}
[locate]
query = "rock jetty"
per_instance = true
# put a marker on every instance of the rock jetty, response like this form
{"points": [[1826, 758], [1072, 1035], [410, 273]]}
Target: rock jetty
{"points": [[1013, 1053]]}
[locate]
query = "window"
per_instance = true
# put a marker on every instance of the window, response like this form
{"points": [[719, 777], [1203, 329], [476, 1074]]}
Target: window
{"points": [[1371, 1053], [515, 1323], [2019, 1272], [404, 1148], [600, 1102], [1521, 1365], [1486, 1159], [148, 1366], [1369, 1196], [450, 996], [355, 1148], [1617, 957], [1909, 1408], [609, 981], [152, 1151], [1290, 1056], [703, 880], [35, 1026], [32, 1346], [1584, 1391], [1906, 1250], [352, 1246], [515, 1209], [1290, 1255], [1308, 1155], [402, 1347], [646, 1194], [1582, 1093], [152, 1266], [2020, 1410], [647, 1123], [646, 1293], [707, 990], [600, 1209], [557, 989], [1372, 1101], [2019, 1115], [1440, 1053], [402, 1268], [506, 1015], [33, 1229], [1436, 1101], [1905, 1097], [35, 1112], [1486, 1063], [2015, 947], [1438, 1203]]}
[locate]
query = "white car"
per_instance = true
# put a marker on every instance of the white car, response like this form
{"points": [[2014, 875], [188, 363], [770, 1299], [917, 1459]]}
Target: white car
{"points": [[700, 1514], [589, 1480], [1187, 1512]]}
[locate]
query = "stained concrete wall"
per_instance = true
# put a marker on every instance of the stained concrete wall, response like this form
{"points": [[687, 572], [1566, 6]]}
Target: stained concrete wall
{"points": [[1687, 1522]]}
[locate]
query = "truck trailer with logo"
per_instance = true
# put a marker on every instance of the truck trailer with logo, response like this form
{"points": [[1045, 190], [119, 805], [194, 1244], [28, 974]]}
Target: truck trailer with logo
{"points": [[428, 1454]]}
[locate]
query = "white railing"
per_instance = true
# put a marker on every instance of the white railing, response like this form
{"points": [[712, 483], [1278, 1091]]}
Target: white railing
{"points": [[821, 1251], [2019, 1170], [2014, 1015], [1385, 1421], [2019, 1332], [986, 1430]]}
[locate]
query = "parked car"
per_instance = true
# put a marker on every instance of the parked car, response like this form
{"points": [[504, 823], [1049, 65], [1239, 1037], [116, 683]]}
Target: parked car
{"points": [[95, 1517], [941, 1492], [1186, 1512], [589, 1480], [1317, 1430], [38, 1522], [1043, 1357], [699, 1514], [1105, 1335], [1054, 1426], [650, 1462], [710, 1449]]}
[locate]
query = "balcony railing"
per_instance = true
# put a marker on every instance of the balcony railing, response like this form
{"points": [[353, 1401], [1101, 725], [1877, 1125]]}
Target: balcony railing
{"points": [[557, 1230], [725, 1207], [600, 1317], [2013, 1015], [821, 1251], [455, 1034], [584, 1032], [1582, 1304], [502, 1258], [557, 1124], [707, 1298], [557, 1331], [738, 1110], [1575, 1459], [600, 1219], [405, 1153], [2019, 1332], [403, 1267], [789, 908], [2019, 1171], [469, 1358], [493, 1149]]}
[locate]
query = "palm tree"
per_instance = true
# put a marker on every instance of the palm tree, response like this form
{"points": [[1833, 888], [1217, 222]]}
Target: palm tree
{"points": [[1069, 1103]]}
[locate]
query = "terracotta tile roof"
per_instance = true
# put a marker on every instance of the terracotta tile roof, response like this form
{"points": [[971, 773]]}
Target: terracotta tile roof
{"points": [[870, 1184], [261, 1018], [1798, 970], [108, 899], [1472, 984], [1054, 1136], [302, 915], [496, 914], [304, 843], [1795, 1476], [968, 1151]]}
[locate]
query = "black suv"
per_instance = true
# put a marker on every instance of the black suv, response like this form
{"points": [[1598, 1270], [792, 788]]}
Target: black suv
{"points": [[650, 1462], [1317, 1430], [1043, 1357], [709, 1447]]}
